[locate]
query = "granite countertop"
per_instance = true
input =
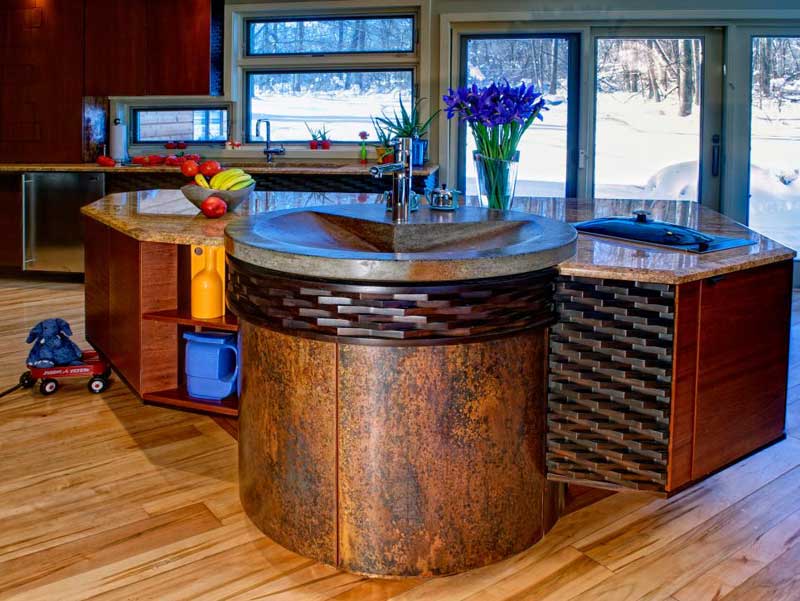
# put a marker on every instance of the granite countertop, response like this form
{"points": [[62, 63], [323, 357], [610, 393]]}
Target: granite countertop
{"points": [[166, 216], [251, 166]]}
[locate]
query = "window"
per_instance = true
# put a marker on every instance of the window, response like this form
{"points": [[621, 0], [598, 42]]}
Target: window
{"points": [[341, 101], [285, 82], [151, 125], [649, 117], [775, 138], [547, 165], [340, 35]]}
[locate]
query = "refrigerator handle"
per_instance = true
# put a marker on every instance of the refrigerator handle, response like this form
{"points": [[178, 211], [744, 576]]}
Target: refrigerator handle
{"points": [[28, 220]]}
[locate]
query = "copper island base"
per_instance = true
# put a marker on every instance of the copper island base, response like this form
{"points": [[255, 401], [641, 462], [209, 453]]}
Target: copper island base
{"points": [[418, 455]]}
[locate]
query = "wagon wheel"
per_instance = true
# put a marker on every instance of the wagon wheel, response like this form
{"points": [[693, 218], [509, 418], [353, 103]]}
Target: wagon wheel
{"points": [[26, 380], [48, 386], [97, 384]]}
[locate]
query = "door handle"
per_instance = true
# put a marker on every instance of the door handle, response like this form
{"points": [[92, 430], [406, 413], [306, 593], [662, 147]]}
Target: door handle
{"points": [[715, 155]]}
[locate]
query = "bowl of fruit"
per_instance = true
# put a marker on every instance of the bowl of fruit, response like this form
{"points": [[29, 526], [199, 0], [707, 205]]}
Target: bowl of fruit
{"points": [[210, 179]]}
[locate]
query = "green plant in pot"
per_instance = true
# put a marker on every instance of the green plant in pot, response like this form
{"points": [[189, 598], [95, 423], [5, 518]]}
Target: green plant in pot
{"points": [[406, 124], [320, 138], [383, 149]]}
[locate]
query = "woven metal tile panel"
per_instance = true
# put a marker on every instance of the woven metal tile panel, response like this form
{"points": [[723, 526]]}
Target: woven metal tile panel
{"points": [[391, 313], [610, 382]]}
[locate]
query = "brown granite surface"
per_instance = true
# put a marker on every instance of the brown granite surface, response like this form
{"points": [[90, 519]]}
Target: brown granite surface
{"points": [[252, 166], [165, 216]]}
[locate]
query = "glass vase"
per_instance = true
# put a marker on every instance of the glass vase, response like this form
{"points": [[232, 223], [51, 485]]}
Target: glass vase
{"points": [[497, 179]]}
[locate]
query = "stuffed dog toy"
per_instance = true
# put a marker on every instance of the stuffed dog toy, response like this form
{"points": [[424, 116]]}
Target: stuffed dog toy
{"points": [[51, 345]]}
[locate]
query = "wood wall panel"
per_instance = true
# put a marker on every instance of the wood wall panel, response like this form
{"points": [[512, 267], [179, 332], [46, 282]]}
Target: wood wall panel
{"points": [[182, 32], [742, 364], [684, 383], [159, 340], [41, 59], [96, 288], [125, 308], [116, 59]]}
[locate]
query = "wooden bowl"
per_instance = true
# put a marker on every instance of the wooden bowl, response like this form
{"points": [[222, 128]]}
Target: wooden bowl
{"points": [[197, 194]]}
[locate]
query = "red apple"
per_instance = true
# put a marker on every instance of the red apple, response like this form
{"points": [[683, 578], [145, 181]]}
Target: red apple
{"points": [[190, 168], [214, 207], [210, 168]]}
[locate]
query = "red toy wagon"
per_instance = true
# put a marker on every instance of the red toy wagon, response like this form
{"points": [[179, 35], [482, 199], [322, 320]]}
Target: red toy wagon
{"points": [[92, 366]]}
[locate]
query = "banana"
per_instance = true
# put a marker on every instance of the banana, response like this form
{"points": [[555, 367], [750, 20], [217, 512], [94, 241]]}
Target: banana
{"points": [[200, 180], [242, 184], [218, 181], [231, 182]]}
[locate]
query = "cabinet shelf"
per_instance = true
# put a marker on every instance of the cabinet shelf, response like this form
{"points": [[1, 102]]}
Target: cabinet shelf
{"points": [[178, 397], [228, 323]]}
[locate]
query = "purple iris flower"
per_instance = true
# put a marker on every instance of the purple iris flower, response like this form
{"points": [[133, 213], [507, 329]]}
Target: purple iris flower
{"points": [[495, 104]]}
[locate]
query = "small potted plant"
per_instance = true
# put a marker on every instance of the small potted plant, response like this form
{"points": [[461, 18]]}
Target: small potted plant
{"points": [[406, 124], [384, 149], [320, 138]]}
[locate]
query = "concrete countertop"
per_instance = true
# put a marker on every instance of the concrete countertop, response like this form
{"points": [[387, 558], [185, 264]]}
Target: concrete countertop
{"points": [[166, 216]]}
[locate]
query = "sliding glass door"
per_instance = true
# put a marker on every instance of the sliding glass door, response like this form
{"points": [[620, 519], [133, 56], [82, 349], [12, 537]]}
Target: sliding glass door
{"points": [[657, 117], [549, 149], [775, 138]]}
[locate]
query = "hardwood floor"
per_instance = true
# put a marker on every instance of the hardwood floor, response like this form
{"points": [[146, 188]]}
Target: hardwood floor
{"points": [[102, 498]]}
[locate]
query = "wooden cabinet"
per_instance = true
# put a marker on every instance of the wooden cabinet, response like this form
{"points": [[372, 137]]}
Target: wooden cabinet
{"points": [[655, 386], [41, 57], [179, 36], [148, 47], [116, 48], [742, 362], [11, 222]]}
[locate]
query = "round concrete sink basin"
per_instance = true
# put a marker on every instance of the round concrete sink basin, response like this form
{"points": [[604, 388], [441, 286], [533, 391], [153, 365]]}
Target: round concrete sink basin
{"points": [[360, 242]]}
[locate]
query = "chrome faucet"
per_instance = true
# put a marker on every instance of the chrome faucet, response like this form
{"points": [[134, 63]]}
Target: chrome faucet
{"points": [[402, 194], [269, 151]]}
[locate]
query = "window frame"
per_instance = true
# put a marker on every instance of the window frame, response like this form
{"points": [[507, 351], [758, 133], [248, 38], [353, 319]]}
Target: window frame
{"points": [[417, 61], [246, 53], [574, 108], [133, 120], [247, 110]]}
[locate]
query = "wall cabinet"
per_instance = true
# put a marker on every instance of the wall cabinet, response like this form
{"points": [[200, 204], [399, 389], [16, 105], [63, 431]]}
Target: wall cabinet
{"points": [[41, 107], [655, 386], [116, 57], [149, 47]]}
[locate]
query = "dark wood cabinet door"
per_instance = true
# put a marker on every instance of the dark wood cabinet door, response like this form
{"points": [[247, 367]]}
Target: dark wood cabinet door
{"points": [[178, 47], [116, 53], [41, 106], [11, 222], [742, 365]]}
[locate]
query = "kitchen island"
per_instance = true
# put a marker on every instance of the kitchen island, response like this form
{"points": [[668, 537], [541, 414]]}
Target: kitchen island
{"points": [[664, 366]]}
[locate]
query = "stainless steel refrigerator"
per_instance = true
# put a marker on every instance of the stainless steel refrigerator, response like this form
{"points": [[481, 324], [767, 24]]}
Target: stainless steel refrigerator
{"points": [[52, 226]]}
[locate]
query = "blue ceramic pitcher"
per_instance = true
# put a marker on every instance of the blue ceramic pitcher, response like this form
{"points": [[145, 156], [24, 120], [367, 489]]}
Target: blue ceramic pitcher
{"points": [[212, 365]]}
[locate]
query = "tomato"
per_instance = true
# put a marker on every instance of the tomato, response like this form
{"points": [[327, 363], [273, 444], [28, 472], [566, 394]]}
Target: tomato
{"points": [[170, 145], [192, 157], [180, 145], [210, 168], [106, 161], [156, 159], [172, 161], [190, 168], [141, 160], [213, 207]]}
